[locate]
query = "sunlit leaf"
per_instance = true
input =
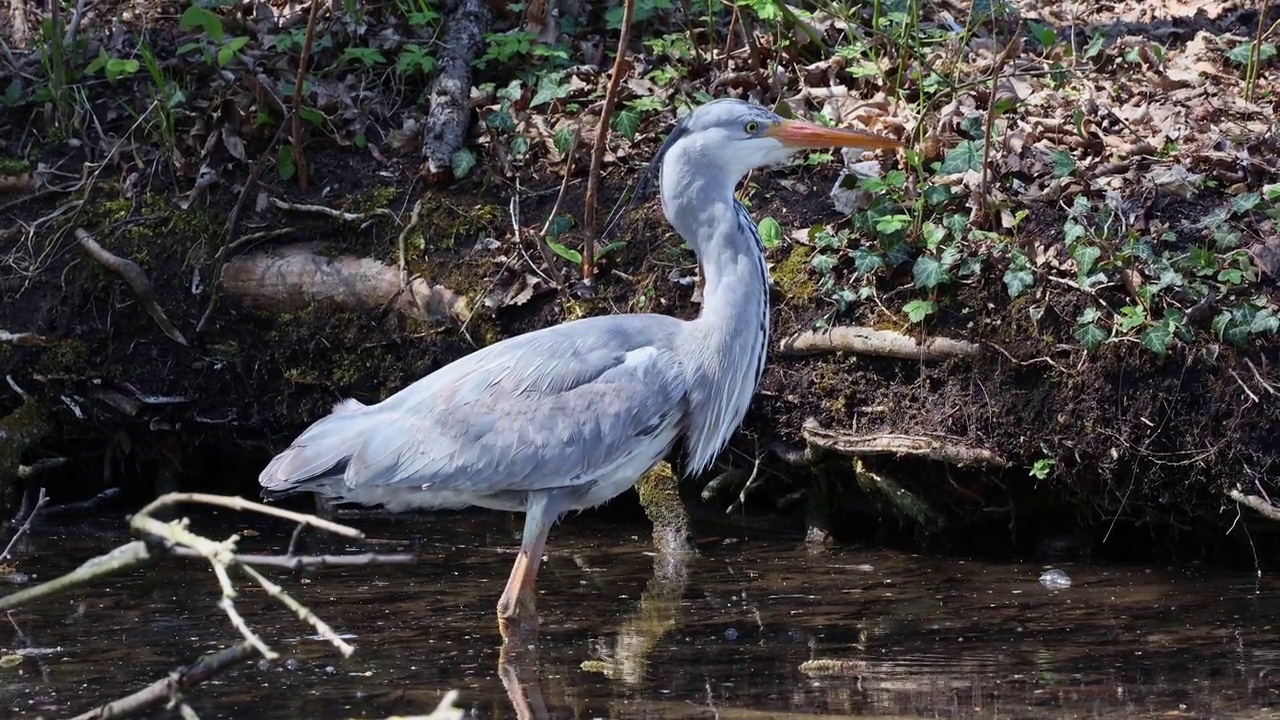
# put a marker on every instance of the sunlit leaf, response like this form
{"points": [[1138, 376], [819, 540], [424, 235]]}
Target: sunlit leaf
{"points": [[770, 232], [1157, 339], [928, 273], [918, 310], [567, 253]]}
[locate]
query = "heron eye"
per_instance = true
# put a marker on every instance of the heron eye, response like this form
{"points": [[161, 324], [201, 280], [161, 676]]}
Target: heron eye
{"points": [[751, 128]]}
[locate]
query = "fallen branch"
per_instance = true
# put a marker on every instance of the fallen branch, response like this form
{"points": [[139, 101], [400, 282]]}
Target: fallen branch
{"points": [[449, 111], [1259, 505], [25, 339], [298, 562], [883, 343], [601, 141], [137, 279], [125, 557], [162, 691], [295, 278], [949, 450]]}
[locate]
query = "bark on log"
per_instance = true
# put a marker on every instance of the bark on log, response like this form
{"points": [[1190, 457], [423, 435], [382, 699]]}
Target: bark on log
{"points": [[949, 450], [883, 343], [294, 278], [449, 113]]}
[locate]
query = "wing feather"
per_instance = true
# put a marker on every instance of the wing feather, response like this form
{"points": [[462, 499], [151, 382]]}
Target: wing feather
{"points": [[557, 408]]}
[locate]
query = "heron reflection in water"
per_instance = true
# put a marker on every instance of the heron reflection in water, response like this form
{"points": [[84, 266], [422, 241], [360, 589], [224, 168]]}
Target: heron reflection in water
{"points": [[571, 416]]}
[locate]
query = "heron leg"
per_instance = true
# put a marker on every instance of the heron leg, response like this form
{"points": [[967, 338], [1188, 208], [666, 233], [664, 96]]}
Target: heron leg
{"points": [[517, 608]]}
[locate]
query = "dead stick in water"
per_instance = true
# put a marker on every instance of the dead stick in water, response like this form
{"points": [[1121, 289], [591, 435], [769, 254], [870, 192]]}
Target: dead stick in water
{"points": [[160, 691], [883, 343], [137, 279], [602, 136]]}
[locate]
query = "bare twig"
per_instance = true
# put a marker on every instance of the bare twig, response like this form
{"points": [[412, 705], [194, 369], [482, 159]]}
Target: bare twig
{"points": [[161, 691], [602, 137], [337, 214], [24, 338], [124, 557], [304, 613], [866, 341], [950, 450], [137, 279], [13, 542], [237, 503], [415, 217], [1014, 46], [299, 159]]}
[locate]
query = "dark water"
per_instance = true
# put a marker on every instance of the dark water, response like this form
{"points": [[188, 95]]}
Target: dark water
{"points": [[729, 637]]}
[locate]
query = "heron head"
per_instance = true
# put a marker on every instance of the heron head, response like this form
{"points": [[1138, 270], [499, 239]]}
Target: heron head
{"points": [[734, 137]]}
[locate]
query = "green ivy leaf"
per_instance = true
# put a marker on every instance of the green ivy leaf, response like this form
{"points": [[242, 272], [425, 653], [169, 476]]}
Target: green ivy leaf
{"points": [[462, 162], [933, 234], [963, 157], [1017, 280], [770, 232], [1131, 316], [918, 310], [626, 123], [867, 260], [1264, 321], [1088, 332], [928, 273], [1085, 256], [1157, 339], [551, 87], [823, 264]]}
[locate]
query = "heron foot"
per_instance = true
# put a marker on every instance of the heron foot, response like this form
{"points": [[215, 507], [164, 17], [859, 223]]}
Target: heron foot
{"points": [[518, 615]]}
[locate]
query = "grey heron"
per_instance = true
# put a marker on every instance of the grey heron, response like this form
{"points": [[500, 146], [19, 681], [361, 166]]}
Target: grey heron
{"points": [[570, 416]]}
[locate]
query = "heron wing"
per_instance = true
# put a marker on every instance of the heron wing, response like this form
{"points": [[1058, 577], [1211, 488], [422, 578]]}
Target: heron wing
{"points": [[560, 407]]}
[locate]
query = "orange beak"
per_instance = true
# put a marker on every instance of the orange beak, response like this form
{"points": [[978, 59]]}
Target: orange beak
{"points": [[794, 133]]}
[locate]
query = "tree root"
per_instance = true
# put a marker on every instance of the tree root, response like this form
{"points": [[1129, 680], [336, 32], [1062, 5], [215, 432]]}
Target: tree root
{"points": [[883, 343], [137, 279], [945, 449], [447, 119], [295, 278]]}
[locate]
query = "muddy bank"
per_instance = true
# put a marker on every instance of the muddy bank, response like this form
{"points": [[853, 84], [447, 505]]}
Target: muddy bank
{"points": [[1056, 350]]}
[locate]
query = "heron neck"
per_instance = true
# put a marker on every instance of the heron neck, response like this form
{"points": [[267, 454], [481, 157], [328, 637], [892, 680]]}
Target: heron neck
{"points": [[725, 346]]}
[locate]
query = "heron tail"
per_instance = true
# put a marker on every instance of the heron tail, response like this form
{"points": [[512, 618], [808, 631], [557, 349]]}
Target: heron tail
{"points": [[320, 453]]}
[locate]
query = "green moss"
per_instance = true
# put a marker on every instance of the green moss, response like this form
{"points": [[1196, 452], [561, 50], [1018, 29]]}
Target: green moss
{"points": [[19, 430], [445, 224], [378, 198], [792, 275], [10, 166], [661, 502], [66, 359]]}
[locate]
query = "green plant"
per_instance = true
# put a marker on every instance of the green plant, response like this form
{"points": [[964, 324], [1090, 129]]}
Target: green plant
{"points": [[1041, 468], [220, 48]]}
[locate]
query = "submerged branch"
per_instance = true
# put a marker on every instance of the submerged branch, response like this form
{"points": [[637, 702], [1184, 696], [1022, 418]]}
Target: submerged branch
{"points": [[945, 449], [160, 691], [883, 343]]}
